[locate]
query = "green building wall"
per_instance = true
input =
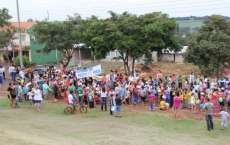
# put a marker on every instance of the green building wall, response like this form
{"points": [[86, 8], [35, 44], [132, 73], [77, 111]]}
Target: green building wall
{"points": [[38, 56]]}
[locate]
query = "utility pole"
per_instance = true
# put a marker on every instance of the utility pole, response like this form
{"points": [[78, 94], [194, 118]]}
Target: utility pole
{"points": [[20, 36]]}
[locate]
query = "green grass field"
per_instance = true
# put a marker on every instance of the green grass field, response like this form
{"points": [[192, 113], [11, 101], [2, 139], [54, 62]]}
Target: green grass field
{"points": [[25, 126]]}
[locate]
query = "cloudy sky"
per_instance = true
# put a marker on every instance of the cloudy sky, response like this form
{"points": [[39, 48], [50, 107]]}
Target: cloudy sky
{"points": [[59, 9]]}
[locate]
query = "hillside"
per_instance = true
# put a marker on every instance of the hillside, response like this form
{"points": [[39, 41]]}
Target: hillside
{"points": [[192, 23]]}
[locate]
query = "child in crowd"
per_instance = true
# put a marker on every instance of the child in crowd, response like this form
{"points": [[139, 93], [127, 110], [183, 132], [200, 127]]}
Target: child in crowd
{"points": [[163, 105], [176, 104], [37, 98], [30, 96], [12, 91], [151, 100], [224, 115]]}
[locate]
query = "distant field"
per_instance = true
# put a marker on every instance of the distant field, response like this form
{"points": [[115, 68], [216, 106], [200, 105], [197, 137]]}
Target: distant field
{"points": [[24, 126]]}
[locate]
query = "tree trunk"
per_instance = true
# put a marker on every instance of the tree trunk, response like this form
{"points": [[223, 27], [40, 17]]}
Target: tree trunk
{"points": [[159, 54], [133, 66], [127, 64], [125, 60], [174, 57], [66, 61], [125, 68], [68, 53]]}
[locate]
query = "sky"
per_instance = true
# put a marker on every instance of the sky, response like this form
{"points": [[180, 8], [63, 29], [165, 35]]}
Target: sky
{"points": [[59, 9]]}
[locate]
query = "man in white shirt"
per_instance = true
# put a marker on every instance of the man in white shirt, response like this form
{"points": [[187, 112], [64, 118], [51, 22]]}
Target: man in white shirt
{"points": [[12, 72]]}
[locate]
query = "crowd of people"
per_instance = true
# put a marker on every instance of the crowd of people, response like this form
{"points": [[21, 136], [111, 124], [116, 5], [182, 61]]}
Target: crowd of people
{"points": [[112, 90]]}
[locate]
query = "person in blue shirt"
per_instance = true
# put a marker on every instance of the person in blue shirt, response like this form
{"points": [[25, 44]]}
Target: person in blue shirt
{"points": [[122, 92]]}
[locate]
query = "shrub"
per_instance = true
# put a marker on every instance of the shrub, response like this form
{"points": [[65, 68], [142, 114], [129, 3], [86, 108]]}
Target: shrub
{"points": [[25, 59]]}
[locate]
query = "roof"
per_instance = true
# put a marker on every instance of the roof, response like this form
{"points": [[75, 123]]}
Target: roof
{"points": [[14, 25], [24, 25]]}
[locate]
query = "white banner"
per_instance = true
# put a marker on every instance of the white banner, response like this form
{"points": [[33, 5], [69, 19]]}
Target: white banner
{"points": [[89, 72]]}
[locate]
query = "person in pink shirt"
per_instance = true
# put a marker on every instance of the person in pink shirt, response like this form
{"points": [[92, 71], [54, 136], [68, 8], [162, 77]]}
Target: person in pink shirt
{"points": [[176, 104]]}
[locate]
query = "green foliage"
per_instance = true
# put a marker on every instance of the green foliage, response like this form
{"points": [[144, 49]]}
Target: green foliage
{"points": [[210, 48], [5, 37], [93, 35], [133, 36], [58, 35], [4, 17], [5, 34], [26, 61]]}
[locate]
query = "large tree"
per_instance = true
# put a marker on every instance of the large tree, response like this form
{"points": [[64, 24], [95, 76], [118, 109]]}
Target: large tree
{"points": [[135, 36], [58, 35], [94, 35], [210, 47]]}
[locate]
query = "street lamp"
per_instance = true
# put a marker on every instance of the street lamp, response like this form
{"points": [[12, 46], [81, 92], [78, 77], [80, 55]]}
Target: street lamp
{"points": [[20, 36]]}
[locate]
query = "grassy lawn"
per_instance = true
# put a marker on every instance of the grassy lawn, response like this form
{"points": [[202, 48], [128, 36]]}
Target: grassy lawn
{"points": [[24, 126]]}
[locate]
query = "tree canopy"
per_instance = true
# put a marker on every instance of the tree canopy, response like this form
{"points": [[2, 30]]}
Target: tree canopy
{"points": [[4, 17], [133, 36], [57, 35], [210, 47], [5, 34]]}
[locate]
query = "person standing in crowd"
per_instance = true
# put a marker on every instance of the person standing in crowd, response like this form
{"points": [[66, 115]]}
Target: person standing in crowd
{"points": [[112, 103], [122, 91], [80, 95], [103, 100], [45, 90], [12, 90], [55, 90], [112, 80], [208, 106], [4, 74], [71, 99], [91, 98], [135, 95], [118, 102], [22, 74], [1, 76], [37, 98], [152, 99], [224, 116], [19, 92], [176, 104], [12, 72]]}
